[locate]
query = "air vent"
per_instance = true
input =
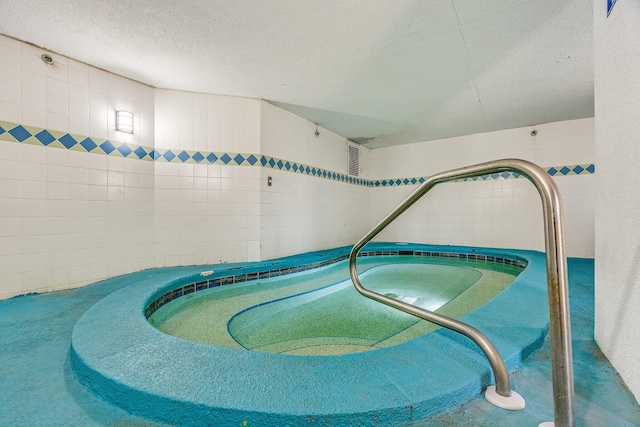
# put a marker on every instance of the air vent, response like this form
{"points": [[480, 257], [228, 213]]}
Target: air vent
{"points": [[353, 159]]}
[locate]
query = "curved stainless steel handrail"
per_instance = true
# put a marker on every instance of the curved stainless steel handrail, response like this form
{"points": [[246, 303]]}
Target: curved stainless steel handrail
{"points": [[557, 282]]}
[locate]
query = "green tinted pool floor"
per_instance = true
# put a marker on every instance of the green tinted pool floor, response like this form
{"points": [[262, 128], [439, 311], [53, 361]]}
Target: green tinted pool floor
{"points": [[321, 313]]}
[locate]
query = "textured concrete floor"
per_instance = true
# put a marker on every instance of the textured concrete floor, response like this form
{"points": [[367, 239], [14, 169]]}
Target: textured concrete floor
{"points": [[37, 387], [602, 399]]}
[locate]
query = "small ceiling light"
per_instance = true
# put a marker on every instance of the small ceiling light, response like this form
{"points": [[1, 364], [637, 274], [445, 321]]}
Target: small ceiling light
{"points": [[124, 121]]}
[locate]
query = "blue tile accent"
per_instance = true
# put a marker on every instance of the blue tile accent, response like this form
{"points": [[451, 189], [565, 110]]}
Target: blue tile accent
{"points": [[169, 155], [125, 150], [88, 144], [184, 156], [140, 152], [107, 147], [20, 133], [198, 157], [45, 137], [68, 141]]}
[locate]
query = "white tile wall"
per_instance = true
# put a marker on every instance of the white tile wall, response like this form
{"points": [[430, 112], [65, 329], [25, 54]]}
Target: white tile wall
{"points": [[203, 122], [206, 213], [69, 218], [301, 213], [496, 213]]}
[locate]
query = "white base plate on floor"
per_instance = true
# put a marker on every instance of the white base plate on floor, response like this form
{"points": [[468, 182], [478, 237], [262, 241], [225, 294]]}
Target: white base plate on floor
{"points": [[547, 424], [515, 402]]}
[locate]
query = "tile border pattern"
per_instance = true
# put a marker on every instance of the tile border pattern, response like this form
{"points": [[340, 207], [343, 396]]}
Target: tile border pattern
{"points": [[23, 134], [265, 274]]}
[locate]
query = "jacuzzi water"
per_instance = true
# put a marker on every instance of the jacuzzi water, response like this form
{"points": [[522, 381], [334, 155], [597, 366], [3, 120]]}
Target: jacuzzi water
{"points": [[319, 312]]}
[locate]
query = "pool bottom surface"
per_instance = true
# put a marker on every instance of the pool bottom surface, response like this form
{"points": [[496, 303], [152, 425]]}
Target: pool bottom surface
{"points": [[307, 314]]}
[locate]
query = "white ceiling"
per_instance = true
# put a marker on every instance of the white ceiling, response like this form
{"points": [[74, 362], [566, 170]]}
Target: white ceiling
{"points": [[380, 72]]}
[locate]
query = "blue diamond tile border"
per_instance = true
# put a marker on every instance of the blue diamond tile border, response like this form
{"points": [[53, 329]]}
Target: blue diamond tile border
{"points": [[13, 132], [20, 133], [198, 157], [67, 141], [88, 144], [184, 156], [45, 137], [125, 150], [107, 147], [140, 152]]}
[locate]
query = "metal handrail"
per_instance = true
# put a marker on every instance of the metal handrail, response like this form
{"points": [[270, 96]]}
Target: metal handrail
{"points": [[557, 282]]}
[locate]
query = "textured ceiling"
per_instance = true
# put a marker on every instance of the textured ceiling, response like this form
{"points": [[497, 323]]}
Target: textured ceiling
{"points": [[380, 72]]}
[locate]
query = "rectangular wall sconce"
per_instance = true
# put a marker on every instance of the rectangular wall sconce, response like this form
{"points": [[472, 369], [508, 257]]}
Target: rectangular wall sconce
{"points": [[124, 121]]}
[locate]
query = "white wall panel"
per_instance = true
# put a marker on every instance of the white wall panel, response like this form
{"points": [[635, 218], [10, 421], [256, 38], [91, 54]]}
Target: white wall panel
{"points": [[496, 212], [69, 217], [616, 53]]}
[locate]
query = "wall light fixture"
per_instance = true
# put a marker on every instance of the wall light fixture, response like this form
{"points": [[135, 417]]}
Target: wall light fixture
{"points": [[124, 121]]}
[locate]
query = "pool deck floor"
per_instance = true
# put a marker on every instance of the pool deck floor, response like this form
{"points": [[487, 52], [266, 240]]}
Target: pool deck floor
{"points": [[38, 388]]}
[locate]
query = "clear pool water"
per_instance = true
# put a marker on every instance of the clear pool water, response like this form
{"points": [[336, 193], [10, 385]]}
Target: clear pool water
{"points": [[319, 312]]}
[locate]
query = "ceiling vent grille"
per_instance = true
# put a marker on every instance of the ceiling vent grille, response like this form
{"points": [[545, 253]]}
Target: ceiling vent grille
{"points": [[353, 159]]}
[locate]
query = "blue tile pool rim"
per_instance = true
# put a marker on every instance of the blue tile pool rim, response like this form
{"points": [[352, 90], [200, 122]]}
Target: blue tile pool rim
{"points": [[213, 280], [117, 354]]}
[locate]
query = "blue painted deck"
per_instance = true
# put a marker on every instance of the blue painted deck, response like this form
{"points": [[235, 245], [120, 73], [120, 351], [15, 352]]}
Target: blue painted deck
{"points": [[37, 386]]}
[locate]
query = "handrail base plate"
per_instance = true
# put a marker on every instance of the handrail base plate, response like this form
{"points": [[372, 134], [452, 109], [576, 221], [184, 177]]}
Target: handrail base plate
{"points": [[515, 402]]}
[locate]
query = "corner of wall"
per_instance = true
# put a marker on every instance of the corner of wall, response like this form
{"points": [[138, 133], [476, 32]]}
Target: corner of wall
{"points": [[617, 231]]}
